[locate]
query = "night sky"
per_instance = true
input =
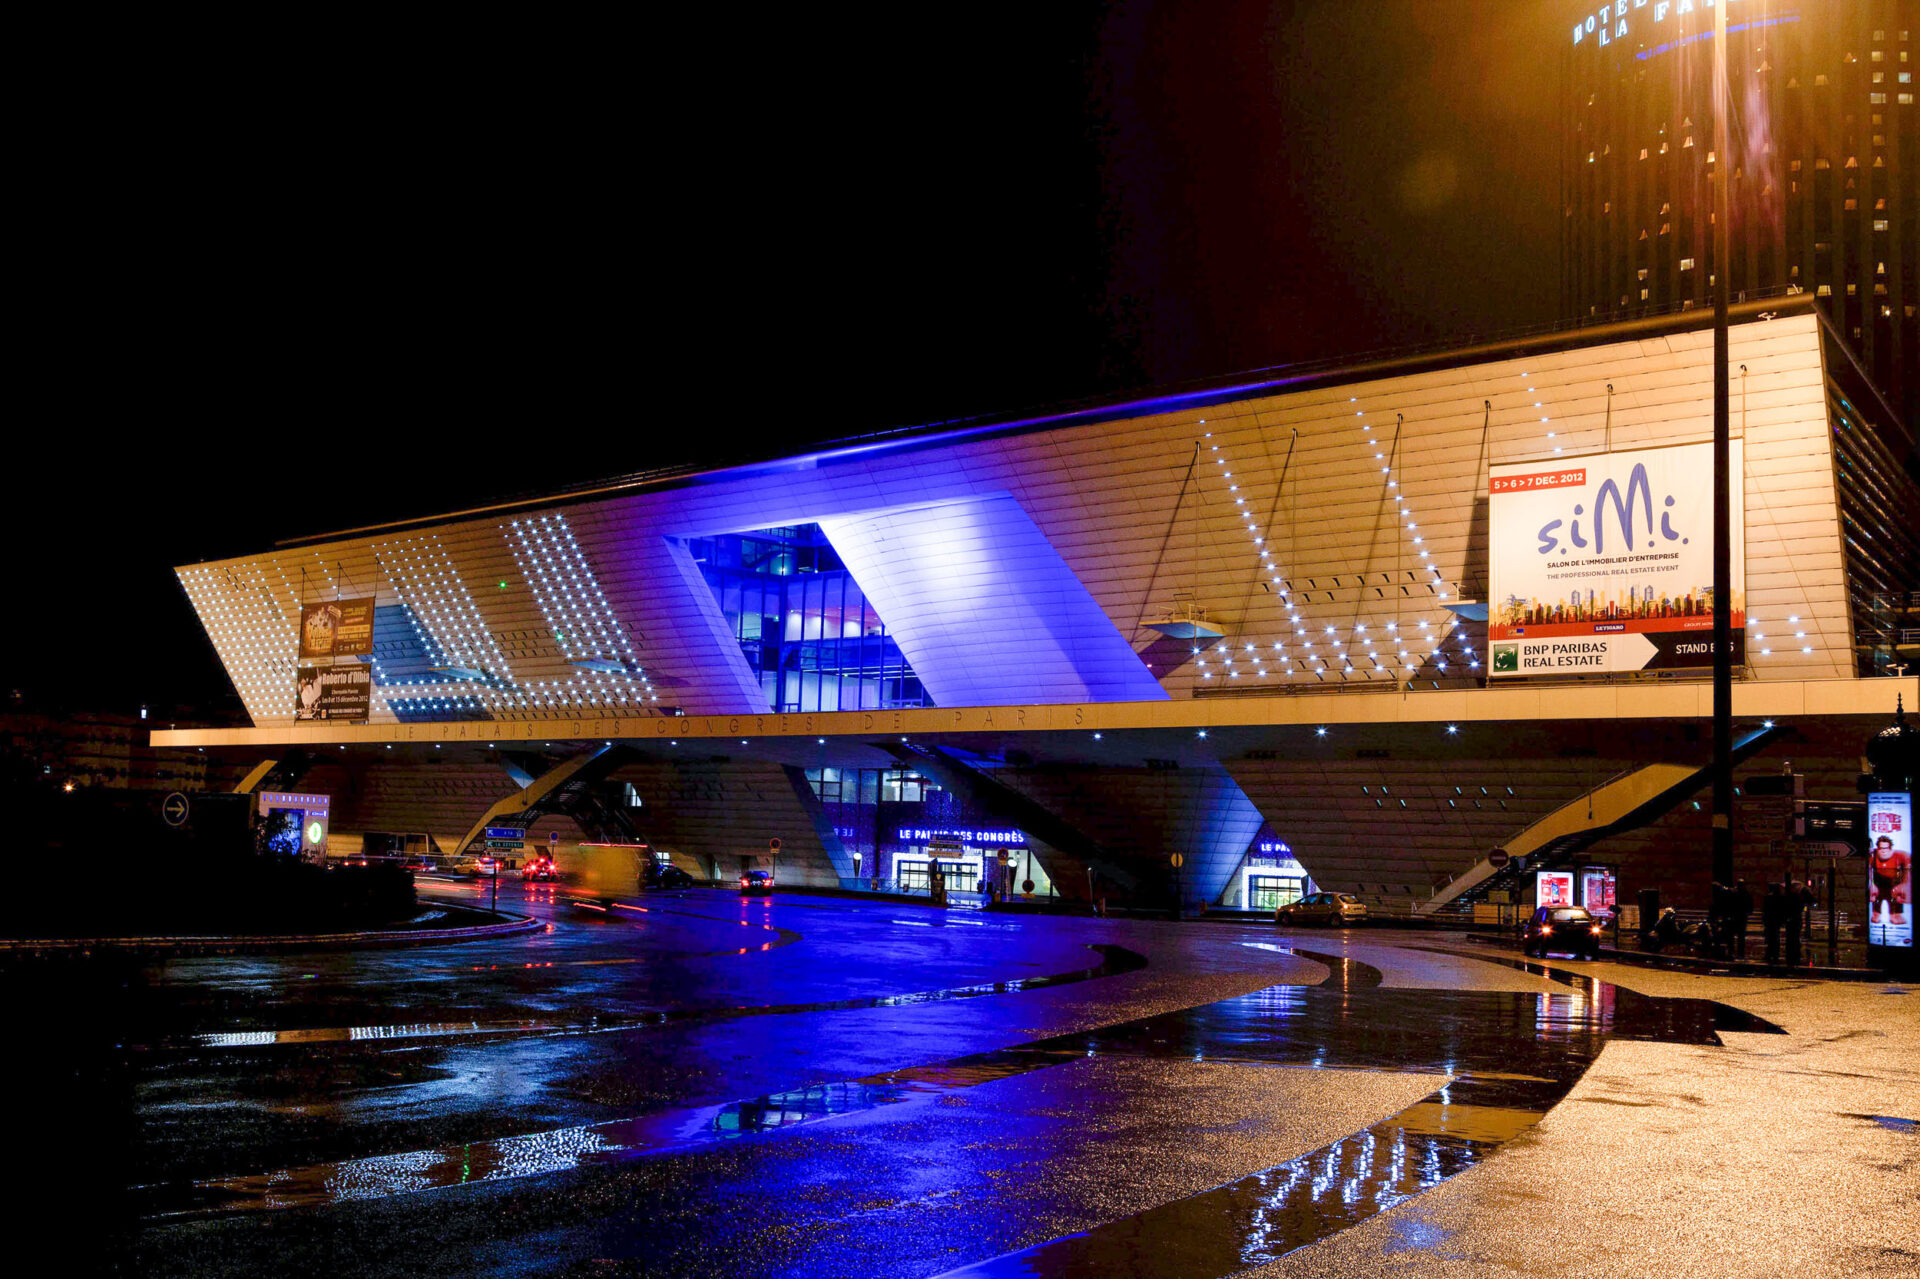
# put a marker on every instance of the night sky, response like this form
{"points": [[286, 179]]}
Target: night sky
{"points": [[360, 276]]}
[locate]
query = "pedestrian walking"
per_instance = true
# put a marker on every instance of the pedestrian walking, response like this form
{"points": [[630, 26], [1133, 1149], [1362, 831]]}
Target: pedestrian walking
{"points": [[1742, 912], [1773, 911], [1799, 897]]}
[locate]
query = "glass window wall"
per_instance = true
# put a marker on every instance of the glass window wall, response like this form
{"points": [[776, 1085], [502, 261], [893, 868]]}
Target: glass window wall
{"points": [[804, 625]]}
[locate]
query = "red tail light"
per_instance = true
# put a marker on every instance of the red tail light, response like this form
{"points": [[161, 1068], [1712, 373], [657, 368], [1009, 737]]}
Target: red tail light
{"points": [[1545, 929]]}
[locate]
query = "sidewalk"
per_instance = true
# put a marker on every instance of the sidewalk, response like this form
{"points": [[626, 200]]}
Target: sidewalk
{"points": [[1716, 967]]}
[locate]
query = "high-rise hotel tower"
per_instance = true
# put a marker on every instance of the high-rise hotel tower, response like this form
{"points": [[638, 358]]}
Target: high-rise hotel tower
{"points": [[1823, 141]]}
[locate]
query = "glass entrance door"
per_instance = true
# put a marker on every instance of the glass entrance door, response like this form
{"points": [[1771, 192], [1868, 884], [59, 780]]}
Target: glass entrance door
{"points": [[1271, 892]]}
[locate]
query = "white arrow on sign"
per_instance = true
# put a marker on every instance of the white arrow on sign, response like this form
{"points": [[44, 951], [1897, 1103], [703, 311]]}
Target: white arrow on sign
{"points": [[1630, 652]]}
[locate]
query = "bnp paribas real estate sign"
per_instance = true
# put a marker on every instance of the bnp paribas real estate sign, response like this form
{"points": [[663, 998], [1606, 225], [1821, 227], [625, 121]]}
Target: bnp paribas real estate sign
{"points": [[1605, 563]]}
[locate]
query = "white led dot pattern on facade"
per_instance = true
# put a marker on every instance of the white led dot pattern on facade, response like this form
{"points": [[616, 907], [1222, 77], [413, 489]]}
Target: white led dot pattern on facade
{"points": [[583, 624]]}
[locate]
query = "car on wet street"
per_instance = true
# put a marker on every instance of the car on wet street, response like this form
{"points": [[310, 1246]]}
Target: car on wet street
{"points": [[538, 869], [1571, 930], [1333, 910], [756, 883], [659, 875]]}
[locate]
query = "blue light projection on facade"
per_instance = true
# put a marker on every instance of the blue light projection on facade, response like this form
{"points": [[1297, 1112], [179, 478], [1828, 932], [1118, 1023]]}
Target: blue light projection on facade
{"points": [[986, 608], [809, 633]]}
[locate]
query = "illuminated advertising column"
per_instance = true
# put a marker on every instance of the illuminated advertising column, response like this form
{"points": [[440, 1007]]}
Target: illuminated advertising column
{"points": [[1890, 869], [1553, 888]]}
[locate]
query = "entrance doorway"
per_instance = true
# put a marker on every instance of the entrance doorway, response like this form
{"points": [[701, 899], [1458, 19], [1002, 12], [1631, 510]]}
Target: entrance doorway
{"points": [[1271, 892], [962, 877]]}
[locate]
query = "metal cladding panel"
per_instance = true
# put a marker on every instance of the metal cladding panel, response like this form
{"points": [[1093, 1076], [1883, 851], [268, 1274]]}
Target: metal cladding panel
{"points": [[1140, 816], [1367, 500], [1398, 812], [1386, 829], [718, 811]]}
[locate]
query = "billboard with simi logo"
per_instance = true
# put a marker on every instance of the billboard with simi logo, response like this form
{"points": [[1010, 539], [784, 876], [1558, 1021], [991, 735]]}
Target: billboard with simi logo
{"points": [[1604, 563]]}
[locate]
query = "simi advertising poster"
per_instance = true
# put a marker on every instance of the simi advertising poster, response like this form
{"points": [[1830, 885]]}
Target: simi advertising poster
{"points": [[337, 628], [1605, 563], [1890, 869], [1553, 888]]}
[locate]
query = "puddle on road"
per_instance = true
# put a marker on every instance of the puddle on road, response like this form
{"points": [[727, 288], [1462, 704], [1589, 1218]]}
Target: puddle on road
{"points": [[1892, 1123], [1508, 1058], [1114, 961], [1263, 1217], [1342, 972]]}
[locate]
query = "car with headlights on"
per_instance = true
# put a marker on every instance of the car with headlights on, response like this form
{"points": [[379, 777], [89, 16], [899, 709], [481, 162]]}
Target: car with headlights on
{"points": [[1570, 929]]}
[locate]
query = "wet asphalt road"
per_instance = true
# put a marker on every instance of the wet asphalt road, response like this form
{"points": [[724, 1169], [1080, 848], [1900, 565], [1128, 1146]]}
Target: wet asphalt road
{"points": [[697, 1084]]}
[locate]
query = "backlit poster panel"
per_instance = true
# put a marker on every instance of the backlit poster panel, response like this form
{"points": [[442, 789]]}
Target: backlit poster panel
{"points": [[1597, 888], [1553, 888], [334, 693], [337, 628], [1605, 562], [1890, 869]]}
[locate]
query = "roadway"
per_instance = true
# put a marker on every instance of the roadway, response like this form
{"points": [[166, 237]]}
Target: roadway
{"points": [[694, 1083]]}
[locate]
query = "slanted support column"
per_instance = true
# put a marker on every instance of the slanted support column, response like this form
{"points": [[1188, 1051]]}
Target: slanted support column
{"points": [[546, 793]]}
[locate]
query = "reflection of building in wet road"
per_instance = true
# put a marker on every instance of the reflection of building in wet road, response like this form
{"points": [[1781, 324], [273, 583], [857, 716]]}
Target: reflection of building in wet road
{"points": [[969, 1094]]}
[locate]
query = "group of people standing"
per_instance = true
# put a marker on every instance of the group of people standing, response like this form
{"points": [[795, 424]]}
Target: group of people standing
{"points": [[1783, 914]]}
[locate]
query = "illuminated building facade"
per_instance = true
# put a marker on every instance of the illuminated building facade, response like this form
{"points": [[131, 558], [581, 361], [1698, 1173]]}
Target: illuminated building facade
{"points": [[1246, 623], [1824, 141]]}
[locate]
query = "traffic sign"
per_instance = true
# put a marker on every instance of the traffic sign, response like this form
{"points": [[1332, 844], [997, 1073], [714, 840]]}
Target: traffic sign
{"points": [[773, 845], [174, 809], [1813, 848], [506, 832], [1003, 856], [1498, 858]]}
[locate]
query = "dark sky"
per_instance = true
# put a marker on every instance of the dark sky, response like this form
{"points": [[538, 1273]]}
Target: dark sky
{"points": [[320, 278]]}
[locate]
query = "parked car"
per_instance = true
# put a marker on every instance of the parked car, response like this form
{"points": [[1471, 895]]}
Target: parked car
{"points": [[1571, 929], [665, 876], [755, 883], [1335, 910]]}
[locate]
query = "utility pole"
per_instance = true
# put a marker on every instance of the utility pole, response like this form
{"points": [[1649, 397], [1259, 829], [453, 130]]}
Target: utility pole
{"points": [[1722, 482]]}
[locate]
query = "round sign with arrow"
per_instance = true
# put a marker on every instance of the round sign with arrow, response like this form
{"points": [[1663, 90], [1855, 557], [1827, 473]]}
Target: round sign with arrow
{"points": [[174, 809]]}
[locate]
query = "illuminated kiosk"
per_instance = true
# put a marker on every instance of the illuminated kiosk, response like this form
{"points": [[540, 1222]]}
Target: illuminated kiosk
{"points": [[1894, 756], [292, 825]]}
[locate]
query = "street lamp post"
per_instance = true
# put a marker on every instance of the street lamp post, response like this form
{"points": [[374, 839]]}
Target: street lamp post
{"points": [[1722, 483]]}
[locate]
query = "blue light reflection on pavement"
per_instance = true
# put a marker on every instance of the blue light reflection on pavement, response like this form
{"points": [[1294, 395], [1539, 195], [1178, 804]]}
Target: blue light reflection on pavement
{"points": [[1506, 1058]]}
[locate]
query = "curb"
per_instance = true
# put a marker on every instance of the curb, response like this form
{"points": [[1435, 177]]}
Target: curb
{"points": [[511, 925], [1713, 967]]}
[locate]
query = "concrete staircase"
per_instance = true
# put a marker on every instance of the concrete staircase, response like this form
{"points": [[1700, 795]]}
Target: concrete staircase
{"points": [[1622, 802]]}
